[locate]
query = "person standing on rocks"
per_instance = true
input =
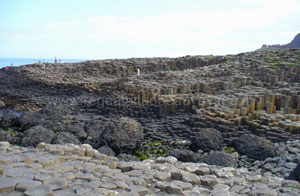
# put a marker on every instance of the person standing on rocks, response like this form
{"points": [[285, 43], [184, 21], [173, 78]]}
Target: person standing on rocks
{"points": [[138, 72], [55, 60]]}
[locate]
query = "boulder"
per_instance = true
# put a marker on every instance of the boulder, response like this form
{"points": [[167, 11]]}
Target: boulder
{"points": [[106, 150], [64, 138], [295, 175], [78, 130], [207, 139], [184, 155], [37, 134], [219, 158], [2, 104], [9, 119], [254, 147], [49, 117], [126, 157], [123, 136], [11, 136], [94, 129]]}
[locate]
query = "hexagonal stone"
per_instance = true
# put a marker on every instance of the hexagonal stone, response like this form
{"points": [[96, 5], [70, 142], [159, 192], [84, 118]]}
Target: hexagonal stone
{"points": [[41, 190], [121, 185], [161, 185], [176, 174], [171, 159], [82, 189], [162, 176], [209, 180], [124, 166], [4, 144], [109, 186], [266, 192], [174, 189], [2, 170], [191, 193], [43, 177], [7, 184], [12, 193], [183, 185], [65, 193], [26, 185], [85, 176], [191, 178], [35, 166], [57, 184], [139, 189], [191, 168], [220, 193], [201, 171], [4, 160]]}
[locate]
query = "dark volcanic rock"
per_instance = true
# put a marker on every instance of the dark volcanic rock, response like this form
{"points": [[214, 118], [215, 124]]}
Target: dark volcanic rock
{"points": [[37, 134], [49, 117], [106, 150], [78, 130], [124, 136], [94, 129], [66, 137], [220, 159], [11, 136], [184, 155], [254, 147], [207, 139], [126, 157], [2, 104], [295, 175], [9, 119]]}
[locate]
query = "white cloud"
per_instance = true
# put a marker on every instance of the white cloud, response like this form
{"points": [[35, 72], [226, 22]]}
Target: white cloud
{"points": [[202, 32]]}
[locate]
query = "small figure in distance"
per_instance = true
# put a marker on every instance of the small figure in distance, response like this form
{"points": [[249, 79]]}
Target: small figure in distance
{"points": [[138, 72], [55, 60], [12, 65], [59, 60], [7, 68]]}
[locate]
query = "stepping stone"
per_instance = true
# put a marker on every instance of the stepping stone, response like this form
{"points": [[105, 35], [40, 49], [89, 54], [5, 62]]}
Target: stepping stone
{"points": [[7, 184], [65, 193], [162, 176], [174, 189], [139, 189], [2, 170], [43, 177], [124, 166], [201, 171], [26, 185], [56, 184], [13, 193], [191, 178], [4, 160], [4, 144], [109, 186], [209, 180], [41, 190], [82, 189]]}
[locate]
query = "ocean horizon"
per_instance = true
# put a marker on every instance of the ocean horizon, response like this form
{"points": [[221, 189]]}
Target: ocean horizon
{"points": [[4, 62]]}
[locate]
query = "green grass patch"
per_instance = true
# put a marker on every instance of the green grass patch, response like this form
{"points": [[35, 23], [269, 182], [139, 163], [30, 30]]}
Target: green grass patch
{"points": [[275, 67], [229, 149]]}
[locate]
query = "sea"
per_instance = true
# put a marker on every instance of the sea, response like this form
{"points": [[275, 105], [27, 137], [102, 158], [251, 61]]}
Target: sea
{"points": [[4, 62]]}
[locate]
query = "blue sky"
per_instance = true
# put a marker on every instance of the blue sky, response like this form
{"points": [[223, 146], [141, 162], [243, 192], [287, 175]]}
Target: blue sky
{"points": [[99, 29]]}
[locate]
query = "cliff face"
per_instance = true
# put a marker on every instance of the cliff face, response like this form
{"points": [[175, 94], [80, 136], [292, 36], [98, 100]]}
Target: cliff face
{"points": [[295, 43]]}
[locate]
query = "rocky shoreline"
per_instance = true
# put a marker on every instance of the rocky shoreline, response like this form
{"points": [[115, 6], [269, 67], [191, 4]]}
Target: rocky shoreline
{"points": [[70, 169], [237, 114]]}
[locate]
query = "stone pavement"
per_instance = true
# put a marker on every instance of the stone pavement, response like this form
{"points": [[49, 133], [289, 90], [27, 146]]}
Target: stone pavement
{"points": [[61, 170]]}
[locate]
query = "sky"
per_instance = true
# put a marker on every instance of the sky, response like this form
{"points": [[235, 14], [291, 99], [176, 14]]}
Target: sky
{"points": [[101, 29]]}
